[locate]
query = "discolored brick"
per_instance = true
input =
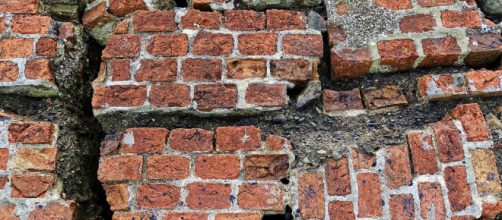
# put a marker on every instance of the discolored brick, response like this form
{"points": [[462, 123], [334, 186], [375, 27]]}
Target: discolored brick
{"points": [[369, 194], [16, 47], [467, 19], [167, 167], [402, 206], [266, 95], [275, 142], [459, 192], [144, 140], [195, 19], [26, 159], [266, 166], [431, 200], [472, 120], [238, 138], [362, 160], [311, 195], [341, 210], [157, 196], [484, 49], [260, 196], [187, 140], [164, 70], [440, 52], [417, 23], [485, 171], [246, 68], [122, 46], [208, 196], [285, 20], [444, 86], [294, 70], [448, 141], [422, 153], [53, 211], [303, 44], [97, 16], [342, 100], [30, 185], [398, 54], [484, 82], [244, 20], [397, 167], [31, 132], [9, 70], [117, 196], [387, 96], [338, 177], [216, 96]]}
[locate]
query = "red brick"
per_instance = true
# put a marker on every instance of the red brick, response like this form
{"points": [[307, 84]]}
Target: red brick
{"points": [[417, 23], [484, 49], [491, 210], [217, 96], [434, 3], [154, 21], [197, 69], [188, 140], [463, 217], [459, 192], [170, 95], [97, 16], [140, 215], [123, 7], [294, 70], [444, 86], [370, 195], [4, 158], [467, 19], [122, 46], [144, 140], [195, 19], [338, 177], [397, 167], [9, 71], [184, 216], [350, 63], [238, 138], [66, 31], [120, 70], [157, 196], [266, 95], [3, 181], [399, 54], [206, 4], [394, 4], [342, 100], [362, 160], [31, 133], [311, 195], [484, 82], [46, 47], [285, 20], [275, 142], [257, 44], [168, 45], [19, 6], [244, 20], [448, 141], [303, 44], [260, 196], [341, 210], [208, 196], [164, 70], [423, 154], [440, 52], [117, 196], [402, 206], [472, 120], [30, 185], [431, 201], [485, 170], [212, 44], [43, 159], [53, 211], [387, 96], [266, 166], [2, 25], [16, 47], [238, 216], [336, 35], [246, 68], [123, 27], [167, 167], [7, 212], [217, 166], [120, 168], [119, 96], [38, 69]]}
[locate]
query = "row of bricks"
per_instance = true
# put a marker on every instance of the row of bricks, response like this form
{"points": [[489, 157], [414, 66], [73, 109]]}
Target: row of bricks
{"points": [[36, 69], [407, 4], [52, 210]]}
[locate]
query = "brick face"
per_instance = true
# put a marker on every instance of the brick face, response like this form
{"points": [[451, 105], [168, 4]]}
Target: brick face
{"points": [[431, 196], [170, 95], [31, 24], [459, 192], [423, 153], [246, 68], [238, 138], [244, 20], [394, 5], [143, 140], [285, 20], [440, 52], [269, 95], [350, 63], [208, 196], [30, 185], [9, 70], [338, 177], [187, 140], [122, 46], [152, 195], [31, 133], [311, 195], [369, 193], [122, 7], [195, 19], [258, 44], [213, 44], [448, 141], [119, 96], [217, 166], [417, 23], [219, 96], [157, 70], [397, 167], [16, 47], [154, 21], [168, 45], [196, 69], [400, 54], [266, 167], [19, 6], [339, 210], [120, 168], [167, 167], [468, 19], [402, 206], [260, 196], [295, 70], [472, 120], [304, 45]]}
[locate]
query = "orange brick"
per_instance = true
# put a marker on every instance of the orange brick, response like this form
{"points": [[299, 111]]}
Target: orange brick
{"points": [[399, 54], [266, 166], [167, 167], [184, 216], [43, 159], [120, 70], [46, 47], [30, 185], [122, 46], [422, 153], [402, 206], [370, 195], [238, 138], [311, 195], [473, 121], [144, 140], [208, 196], [440, 52], [168, 45], [244, 20], [19, 6], [448, 141], [195, 19], [417, 23], [246, 68], [217, 166], [170, 95], [212, 44], [467, 19], [341, 210], [38, 69], [459, 192], [187, 140], [117, 196], [16, 47], [257, 44], [120, 168], [397, 167], [434, 3], [338, 177], [9, 70], [198, 69], [4, 158], [124, 7], [394, 4], [31, 132], [266, 95], [113, 96], [303, 44], [261, 196], [164, 70], [157, 196], [350, 63]]}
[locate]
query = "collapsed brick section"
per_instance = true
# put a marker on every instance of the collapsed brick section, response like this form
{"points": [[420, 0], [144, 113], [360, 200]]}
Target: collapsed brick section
{"points": [[429, 34], [181, 174], [206, 62], [28, 183], [28, 43], [451, 173]]}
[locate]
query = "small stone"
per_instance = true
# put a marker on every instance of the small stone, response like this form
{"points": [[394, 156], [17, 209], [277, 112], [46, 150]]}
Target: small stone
{"points": [[316, 21], [311, 92]]}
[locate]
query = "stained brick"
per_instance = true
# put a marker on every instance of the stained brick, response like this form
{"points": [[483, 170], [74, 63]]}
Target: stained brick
{"points": [[164, 70], [16, 47], [217, 166], [7, 212], [208, 196], [154, 21], [431, 201], [484, 82], [341, 210], [246, 68], [448, 141], [96, 16], [285, 20], [369, 194], [402, 206], [126, 96], [417, 23], [387, 96], [440, 52], [397, 167], [216, 96], [484, 49], [30, 185], [9, 70], [168, 45], [38, 69], [117, 196], [468, 19], [244, 20], [303, 44], [131, 215], [212, 44], [394, 4], [266, 95], [122, 46], [167, 167], [362, 160], [472, 120], [257, 43], [120, 168], [170, 95], [491, 210], [123, 7], [261, 196], [238, 216], [485, 170], [294, 70], [144, 140], [338, 177], [31, 133], [197, 69], [434, 3], [444, 86], [266, 166], [19, 6], [275, 142], [123, 27], [238, 138], [151, 195], [187, 140], [459, 192], [43, 159], [195, 19], [120, 70], [350, 63], [399, 54], [342, 100], [53, 211], [311, 195], [46, 47], [422, 153]]}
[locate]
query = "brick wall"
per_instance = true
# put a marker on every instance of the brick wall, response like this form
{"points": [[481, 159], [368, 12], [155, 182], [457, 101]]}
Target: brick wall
{"points": [[29, 187]]}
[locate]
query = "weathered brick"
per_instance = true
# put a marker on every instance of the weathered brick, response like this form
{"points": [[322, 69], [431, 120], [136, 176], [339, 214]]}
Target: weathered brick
{"points": [[275, 142], [434, 3], [394, 4], [198, 69], [31, 133], [206, 4], [491, 210], [246, 68], [417, 23], [208, 196], [195, 19], [266, 95], [168, 45], [2, 25], [46, 47], [260, 196], [468, 19], [184, 216], [244, 20], [3, 180], [217, 96], [19, 6], [167, 167], [402, 206], [117, 196], [7, 212], [188, 140], [120, 70], [217, 166], [350, 63], [124, 7], [53, 211], [444, 86], [342, 100], [341, 210], [362, 160], [311, 195], [338, 177], [459, 192], [9, 71], [164, 70], [120, 168], [238, 138], [303, 44], [238, 216], [212, 44], [131, 215], [399, 54], [448, 141], [123, 27], [463, 217], [335, 35], [4, 158], [16, 47], [423, 154], [370, 195], [42, 159], [397, 167], [30, 185], [485, 170], [126, 96], [144, 140], [431, 200], [294, 70], [285, 20], [257, 43], [38, 69], [440, 52], [484, 49], [122, 46], [170, 95], [157, 196], [387, 96], [472, 120], [97, 16], [484, 82], [66, 31], [154, 21], [266, 166]]}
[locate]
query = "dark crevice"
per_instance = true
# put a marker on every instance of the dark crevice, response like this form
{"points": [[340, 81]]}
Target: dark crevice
{"points": [[181, 3], [285, 181], [286, 216]]}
